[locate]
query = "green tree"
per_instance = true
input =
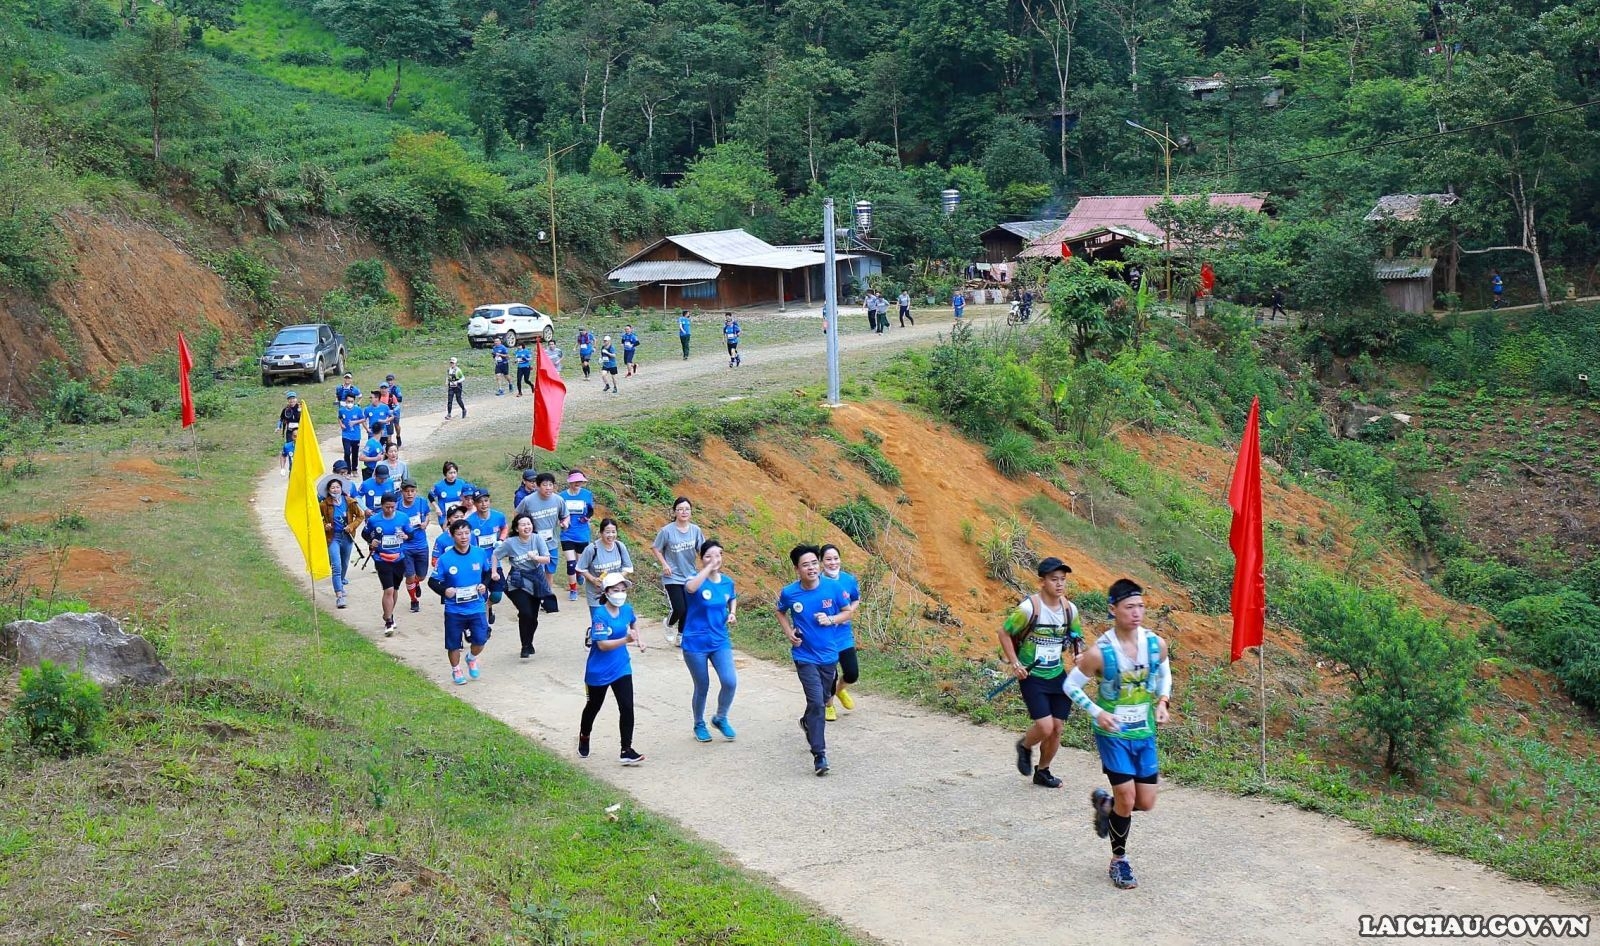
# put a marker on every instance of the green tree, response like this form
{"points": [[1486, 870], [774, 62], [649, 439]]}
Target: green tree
{"points": [[205, 14], [463, 192], [488, 70], [728, 186], [33, 253], [398, 30], [1090, 303], [153, 58], [1510, 173], [1408, 673]]}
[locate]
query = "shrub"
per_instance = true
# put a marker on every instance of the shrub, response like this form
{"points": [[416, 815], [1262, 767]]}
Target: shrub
{"points": [[306, 57], [869, 457], [431, 306], [249, 276], [981, 387], [370, 279], [60, 713], [1409, 672], [861, 519], [1561, 633]]}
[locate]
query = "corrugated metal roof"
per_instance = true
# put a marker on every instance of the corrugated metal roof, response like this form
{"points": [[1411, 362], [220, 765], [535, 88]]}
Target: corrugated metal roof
{"points": [[1091, 213], [1407, 206], [1028, 229], [1404, 267], [665, 271], [1043, 250], [722, 246]]}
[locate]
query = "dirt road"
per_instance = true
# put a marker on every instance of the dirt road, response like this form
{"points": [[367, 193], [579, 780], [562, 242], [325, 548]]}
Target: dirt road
{"points": [[923, 833]]}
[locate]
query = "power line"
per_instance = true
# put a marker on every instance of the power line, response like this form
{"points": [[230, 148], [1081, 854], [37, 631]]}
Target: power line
{"points": [[1400, 141]]}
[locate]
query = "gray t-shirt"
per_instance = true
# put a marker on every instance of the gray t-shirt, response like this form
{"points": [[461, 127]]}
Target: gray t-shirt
{"points": [[681, 550], [547, 515], [597, 560], [514, 552]]}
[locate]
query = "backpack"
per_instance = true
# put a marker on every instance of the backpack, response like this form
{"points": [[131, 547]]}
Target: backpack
{"points": [[1035, 606]]}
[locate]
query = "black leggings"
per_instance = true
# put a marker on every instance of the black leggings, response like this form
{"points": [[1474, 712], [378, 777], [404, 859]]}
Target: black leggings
{"points": [[452, 399], [352, 453], [849, 668], [527, 614], [524, 374], [623, 688], [680, 605], [905, 313]]}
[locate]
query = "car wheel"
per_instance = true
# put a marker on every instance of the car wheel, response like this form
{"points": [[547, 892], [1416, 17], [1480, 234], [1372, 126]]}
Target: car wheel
{"points": [[266, 380], [549, 333], [342, 368], [319, 374], [511, 338]]}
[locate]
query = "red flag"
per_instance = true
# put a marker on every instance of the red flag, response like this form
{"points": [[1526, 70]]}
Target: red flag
{"points": [[1066, 251], [549, 400], [1249, 553], [185, 393], [1208, 279]]}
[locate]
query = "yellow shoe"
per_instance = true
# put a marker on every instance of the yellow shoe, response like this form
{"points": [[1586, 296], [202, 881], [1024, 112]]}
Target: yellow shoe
{"points": [[829, 715], [845, 699]]}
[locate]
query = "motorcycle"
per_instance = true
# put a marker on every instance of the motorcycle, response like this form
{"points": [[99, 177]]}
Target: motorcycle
{"points": [[1020, 313]]}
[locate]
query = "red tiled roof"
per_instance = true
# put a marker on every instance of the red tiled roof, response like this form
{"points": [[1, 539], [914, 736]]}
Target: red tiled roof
{"points": [[1092, 213]]}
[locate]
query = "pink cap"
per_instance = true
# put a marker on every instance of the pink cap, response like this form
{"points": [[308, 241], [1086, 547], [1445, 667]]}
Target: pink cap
{"points": [[576, 477]]}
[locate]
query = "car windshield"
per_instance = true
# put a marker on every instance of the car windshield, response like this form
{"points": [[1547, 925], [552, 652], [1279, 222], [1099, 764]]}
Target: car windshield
{"points": [[485, 313], [296, 336]]}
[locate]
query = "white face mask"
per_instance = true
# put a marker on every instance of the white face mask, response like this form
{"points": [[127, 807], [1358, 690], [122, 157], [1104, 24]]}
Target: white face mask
{"points": [[617, 598], [831, 572]]}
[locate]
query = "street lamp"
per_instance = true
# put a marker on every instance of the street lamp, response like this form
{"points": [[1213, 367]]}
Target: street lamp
{"points": [[830, 299], [1167, 144]]}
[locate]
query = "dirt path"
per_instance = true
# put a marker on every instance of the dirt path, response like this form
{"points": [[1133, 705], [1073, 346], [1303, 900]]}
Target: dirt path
{"points": [[924, 833]]}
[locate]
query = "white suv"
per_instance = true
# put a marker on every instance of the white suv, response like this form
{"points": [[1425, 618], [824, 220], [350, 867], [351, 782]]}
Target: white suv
{"points": [[500, 320]]}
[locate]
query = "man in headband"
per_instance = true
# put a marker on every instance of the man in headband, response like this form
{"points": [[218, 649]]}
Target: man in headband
{"points": [[1130, 666]]}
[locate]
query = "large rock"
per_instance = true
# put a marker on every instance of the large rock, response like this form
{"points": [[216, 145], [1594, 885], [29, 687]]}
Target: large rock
{"points": [[94, 644], [1356, 418]]}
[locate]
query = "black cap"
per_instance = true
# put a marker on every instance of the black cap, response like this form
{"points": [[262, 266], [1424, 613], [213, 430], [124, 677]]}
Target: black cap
{"points": [[480, 493], [381, 469], [388, 498], [530, 475], [1052, 565], [408, 484]]}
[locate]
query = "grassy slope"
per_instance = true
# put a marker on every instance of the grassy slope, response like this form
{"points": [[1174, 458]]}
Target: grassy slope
{"points": [[287, 790]]}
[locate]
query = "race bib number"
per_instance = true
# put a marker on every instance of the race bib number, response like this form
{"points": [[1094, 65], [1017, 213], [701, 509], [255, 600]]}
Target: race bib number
{"points": [[416, 521], [465, 593], [486, 540], [1047, 652], [1132, 716], [391, 541]]}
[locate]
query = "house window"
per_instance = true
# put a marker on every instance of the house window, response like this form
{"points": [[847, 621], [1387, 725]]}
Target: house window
{"points": [[700, 290]]}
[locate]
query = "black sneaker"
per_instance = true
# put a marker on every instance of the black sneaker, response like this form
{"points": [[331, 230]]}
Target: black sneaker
{"points": [[1044, 778], [388, 627], [1100, 801], [629, 757], [416, 607], [526, 653], [583, 746], [821, 766], [1024, 759]]}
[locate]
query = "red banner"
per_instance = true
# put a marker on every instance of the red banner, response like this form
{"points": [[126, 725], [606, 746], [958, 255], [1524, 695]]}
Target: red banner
{"points": [[549, 401], [185, 392], [1249, 552]]}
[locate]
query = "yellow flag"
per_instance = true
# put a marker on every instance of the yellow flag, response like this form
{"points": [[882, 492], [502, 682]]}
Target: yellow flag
{"points": [[300, 508]]}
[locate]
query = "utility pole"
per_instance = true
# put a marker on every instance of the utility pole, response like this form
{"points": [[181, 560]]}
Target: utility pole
{"points": [[550, 156], [830, 300], [1163, 138]]}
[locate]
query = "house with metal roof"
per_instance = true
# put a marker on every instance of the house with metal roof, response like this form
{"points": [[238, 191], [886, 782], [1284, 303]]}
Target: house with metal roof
{"points": [[727, 269], [1113, 223], [1407, 281], [1003, 241]]}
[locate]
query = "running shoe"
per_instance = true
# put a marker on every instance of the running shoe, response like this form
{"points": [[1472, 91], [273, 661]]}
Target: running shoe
{"points": [[416, 607], [572, 594], [1100, 801], [829, 714], [526, 653], [845, 699], [1121, 873], [339, 601], [721, 722], [701, 733], [1042, 777], [821, 766], [1024, 758], [472, 667], [629, 757], [583, 746], [388, 627], [491, 617], [458, 676]]}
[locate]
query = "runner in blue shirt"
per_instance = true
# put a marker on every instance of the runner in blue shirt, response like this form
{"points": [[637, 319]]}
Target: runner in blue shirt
{"points": [[393, 398], [683, 332], [378, 417], [375, 487], [386, 536], [444, 540], [489, 529], [528, 486], [352, 429], [462, 578], [730, 332], [585, 351], [502, 368], [713, 604], [524, 356], [806, 608], [959, 301], [608, 365], [630, 344], [850, 599], [450, 490], [415, 510], [346, 389], [371, 453], [611, 629], [575, 534]]}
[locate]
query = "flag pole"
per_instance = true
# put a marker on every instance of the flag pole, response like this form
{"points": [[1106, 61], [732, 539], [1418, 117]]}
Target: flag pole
{"points": [[1261, 666], [194, 443]]}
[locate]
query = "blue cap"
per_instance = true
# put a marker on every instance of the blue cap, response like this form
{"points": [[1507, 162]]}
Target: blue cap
{"points": [[290, 395]]}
